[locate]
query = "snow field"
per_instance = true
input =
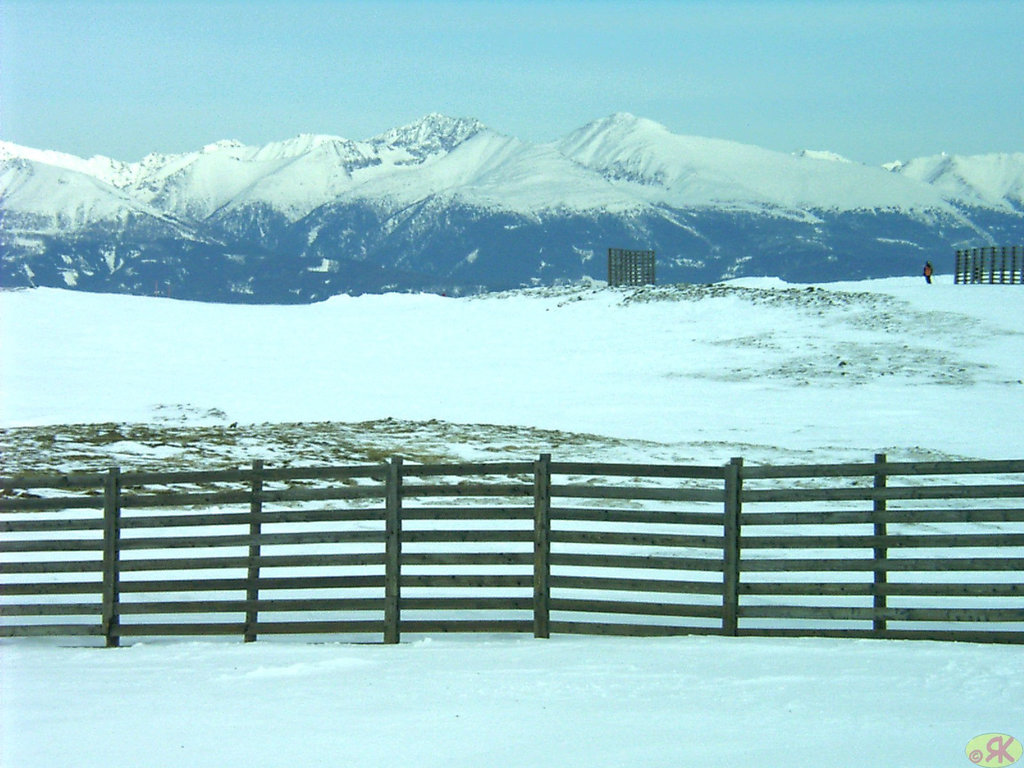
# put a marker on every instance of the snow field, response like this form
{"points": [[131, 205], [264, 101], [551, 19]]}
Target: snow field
{"points": [[756, 368], [508, 701]]}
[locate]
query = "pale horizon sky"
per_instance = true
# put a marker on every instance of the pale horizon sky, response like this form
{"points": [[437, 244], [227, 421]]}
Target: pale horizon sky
{"points": [[874, 81]]}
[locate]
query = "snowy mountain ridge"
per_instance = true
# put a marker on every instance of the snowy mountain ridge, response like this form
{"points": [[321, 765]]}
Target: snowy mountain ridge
{"points": [[641, 159], [990, 181], [448, 203]]}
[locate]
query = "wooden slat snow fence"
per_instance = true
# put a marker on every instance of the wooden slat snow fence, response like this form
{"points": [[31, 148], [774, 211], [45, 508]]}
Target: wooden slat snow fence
{"points": [[931, 550], [994, 265]]}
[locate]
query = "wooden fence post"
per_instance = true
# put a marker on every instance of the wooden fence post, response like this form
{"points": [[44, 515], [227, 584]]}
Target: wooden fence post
{"points": [[878, 624], [393, 550], [252, 579], [111, 557], [731, 547], [542, 546]]}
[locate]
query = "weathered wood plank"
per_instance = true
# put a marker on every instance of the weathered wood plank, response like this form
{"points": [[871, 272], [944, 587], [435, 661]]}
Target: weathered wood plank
{"points": [[467, 603], [52, 545], [891, 564], [638, 470], [31, 504], [393, 551], [242, 562], [881, 552], [245, 540], [51, 630], [262, 605], [637, 539], [183, 629], [638, 608], [52, 566], [348, 581], [187, 477], [219, 518], [77, 481], [52, 609], [263, 628], [439, 626], [480, 581], [895, 541], [637, 494], [609, 584], [349, 627], [889, 468], [849, 613], [64, 524], [731, 550], [252, 577], [629, 630], [52, 588], [201, 585], [238, 497], [111, 555], [542, 546]]}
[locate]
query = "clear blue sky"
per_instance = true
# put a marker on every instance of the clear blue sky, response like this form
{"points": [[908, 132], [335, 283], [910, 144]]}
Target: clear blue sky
{"points": [[874, 81]]}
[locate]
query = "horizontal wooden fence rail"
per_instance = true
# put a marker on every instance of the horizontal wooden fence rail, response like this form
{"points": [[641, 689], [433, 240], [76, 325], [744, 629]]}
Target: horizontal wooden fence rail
{"points": [[931, 550]]}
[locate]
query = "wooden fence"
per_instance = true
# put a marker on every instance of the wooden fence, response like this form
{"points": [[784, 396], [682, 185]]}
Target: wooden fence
{"points": [[880, 549], [626, 267], [993, 265]]}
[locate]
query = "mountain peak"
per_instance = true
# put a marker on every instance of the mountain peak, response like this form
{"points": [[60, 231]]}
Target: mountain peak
{"points": [[223, 144], [993, 180], [624, 123], [822, 154], [618, 130], [303, 144], [432, 134]]}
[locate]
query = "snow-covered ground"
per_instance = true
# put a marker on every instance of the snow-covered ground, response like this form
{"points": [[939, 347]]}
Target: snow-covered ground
{"points": [[753, 368], [506, 701]]}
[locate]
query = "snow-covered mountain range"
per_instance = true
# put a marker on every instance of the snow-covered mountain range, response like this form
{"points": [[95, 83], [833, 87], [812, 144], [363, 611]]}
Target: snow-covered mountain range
{"points": [[450, 204]]}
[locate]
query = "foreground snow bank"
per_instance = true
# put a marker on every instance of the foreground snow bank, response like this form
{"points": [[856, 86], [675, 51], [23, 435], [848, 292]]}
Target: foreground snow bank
{"points": [[507, 702]]}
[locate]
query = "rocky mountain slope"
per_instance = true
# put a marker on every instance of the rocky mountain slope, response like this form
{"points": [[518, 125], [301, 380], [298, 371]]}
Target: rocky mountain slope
{"points": [[448, 204]]}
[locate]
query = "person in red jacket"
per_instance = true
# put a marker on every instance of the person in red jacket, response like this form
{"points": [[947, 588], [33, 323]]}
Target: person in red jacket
{"points": [[928, 272]]}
